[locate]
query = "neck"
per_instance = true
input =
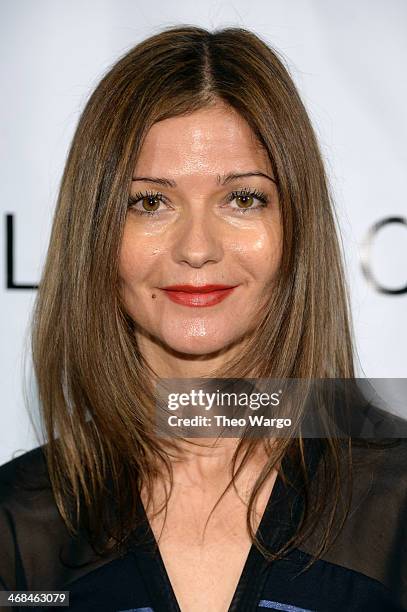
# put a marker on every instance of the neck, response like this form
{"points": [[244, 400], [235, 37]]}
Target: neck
{"points": [[208, 468]]}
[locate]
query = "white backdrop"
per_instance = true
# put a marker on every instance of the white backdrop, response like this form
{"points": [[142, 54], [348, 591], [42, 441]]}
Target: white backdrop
{"points": [[348, 59]]}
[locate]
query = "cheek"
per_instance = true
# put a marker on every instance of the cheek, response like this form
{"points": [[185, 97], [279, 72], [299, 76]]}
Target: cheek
{"points": [[137, 257], [259, 251], [131, 261], [127, 270]]}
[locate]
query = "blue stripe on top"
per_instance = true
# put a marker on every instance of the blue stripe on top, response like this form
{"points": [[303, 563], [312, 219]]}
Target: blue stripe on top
{"points": [[277, 605], [137, 610]]}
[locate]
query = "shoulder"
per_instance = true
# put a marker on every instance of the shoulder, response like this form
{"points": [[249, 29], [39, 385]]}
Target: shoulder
{"points": [[25, 487], [37, 550], [24, 493], [380, 471], [20, 474], [379, 464]]}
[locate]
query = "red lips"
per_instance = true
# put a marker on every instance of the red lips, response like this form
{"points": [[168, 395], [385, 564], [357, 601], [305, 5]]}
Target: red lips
{"points": [[198, 296]]}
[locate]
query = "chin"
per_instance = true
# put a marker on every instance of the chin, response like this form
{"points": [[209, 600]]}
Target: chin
{"points": [[207, 343], [196, 345]]}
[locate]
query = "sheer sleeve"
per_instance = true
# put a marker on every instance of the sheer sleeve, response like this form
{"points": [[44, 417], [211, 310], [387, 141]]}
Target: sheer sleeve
{"points": [[37, 552], [373, 540]]}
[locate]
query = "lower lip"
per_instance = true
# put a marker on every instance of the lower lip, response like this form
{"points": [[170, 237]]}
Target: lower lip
{"points": [[199, 299]]}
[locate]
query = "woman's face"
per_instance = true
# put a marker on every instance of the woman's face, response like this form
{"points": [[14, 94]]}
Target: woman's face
{"points": [[201, 214]]}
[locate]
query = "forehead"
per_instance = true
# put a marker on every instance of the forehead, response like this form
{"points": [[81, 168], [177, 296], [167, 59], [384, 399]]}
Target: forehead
{"points": [[207, 141]]}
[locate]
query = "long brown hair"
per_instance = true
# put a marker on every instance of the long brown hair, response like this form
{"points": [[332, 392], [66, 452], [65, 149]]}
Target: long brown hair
{"points": [[93, 382]]}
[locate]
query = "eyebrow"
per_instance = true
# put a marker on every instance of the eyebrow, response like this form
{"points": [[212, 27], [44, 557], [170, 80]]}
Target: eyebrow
{"points": [[220, 179]]}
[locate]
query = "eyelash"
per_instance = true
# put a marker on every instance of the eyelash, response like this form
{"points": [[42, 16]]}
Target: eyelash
{"points": [[246, 192]]}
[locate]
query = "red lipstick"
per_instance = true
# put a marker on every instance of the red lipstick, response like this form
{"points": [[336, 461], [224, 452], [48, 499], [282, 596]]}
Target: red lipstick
{"points": [[202, 295]]}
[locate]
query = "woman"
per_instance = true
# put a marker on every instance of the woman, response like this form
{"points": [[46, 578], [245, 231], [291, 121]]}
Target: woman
{"points": [[195, 164]]}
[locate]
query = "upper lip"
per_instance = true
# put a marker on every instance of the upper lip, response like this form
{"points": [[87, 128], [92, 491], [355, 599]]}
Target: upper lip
{"points": [[197, 288]]}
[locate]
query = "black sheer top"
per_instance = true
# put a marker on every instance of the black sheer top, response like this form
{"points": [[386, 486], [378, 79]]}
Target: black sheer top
{"points": [[364, 570]]}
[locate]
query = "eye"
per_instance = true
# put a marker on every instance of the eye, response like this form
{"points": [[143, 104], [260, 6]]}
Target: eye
{"points": [[146, 203], [246, 198]]}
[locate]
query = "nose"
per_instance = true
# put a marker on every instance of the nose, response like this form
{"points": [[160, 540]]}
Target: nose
{"points": [[198, 238]]}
